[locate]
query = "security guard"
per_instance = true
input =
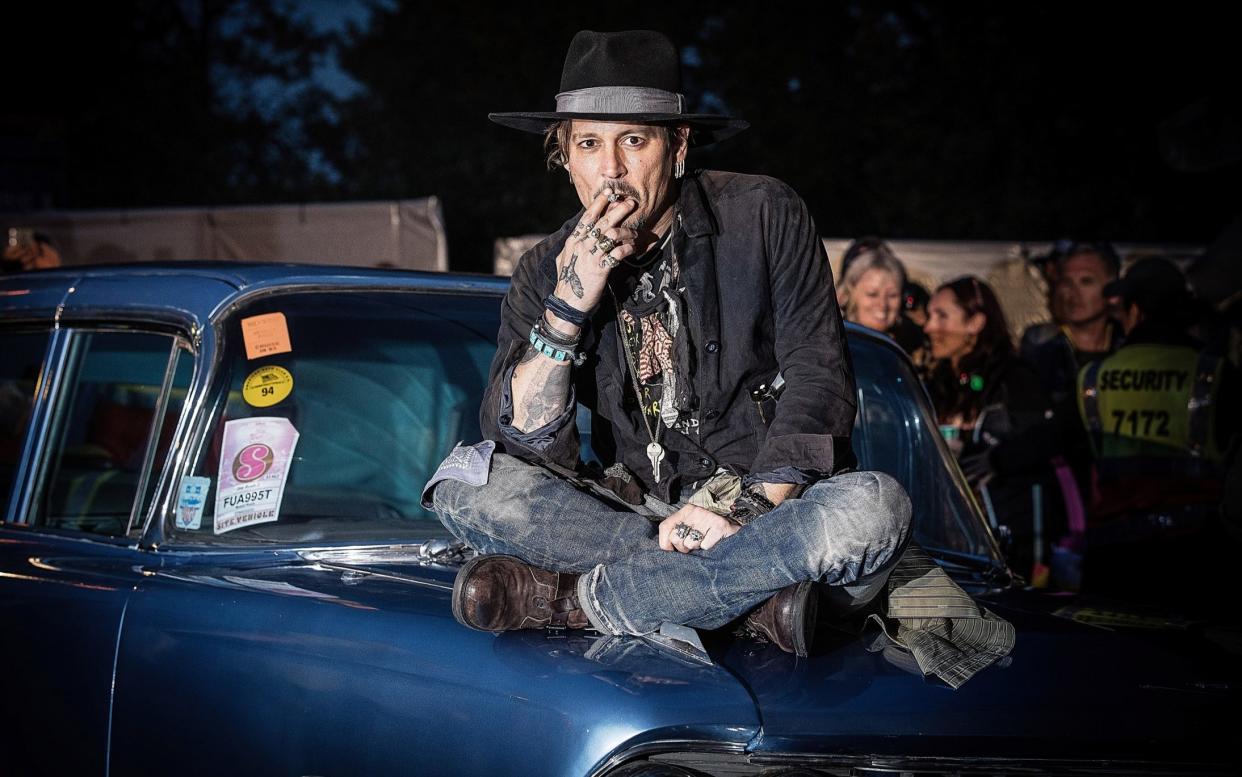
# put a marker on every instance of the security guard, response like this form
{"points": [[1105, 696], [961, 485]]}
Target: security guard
{"points": [[1157, 428], [1150, 408]]}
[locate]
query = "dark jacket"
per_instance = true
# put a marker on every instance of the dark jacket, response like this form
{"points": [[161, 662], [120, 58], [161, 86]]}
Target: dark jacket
{"points": [[760, 300], [1017, 437], [1048, 351]]}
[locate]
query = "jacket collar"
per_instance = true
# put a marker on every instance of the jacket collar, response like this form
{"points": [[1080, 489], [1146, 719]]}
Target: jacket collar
{"points": [[696, 216]]}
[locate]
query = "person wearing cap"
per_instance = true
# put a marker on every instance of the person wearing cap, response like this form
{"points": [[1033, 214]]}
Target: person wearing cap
{"points": [[1152, 410], [693, 313]]}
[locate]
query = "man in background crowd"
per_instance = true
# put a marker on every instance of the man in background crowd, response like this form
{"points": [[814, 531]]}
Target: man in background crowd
{"points": [[1160, 437], [1080, 333], [1081, 330]]}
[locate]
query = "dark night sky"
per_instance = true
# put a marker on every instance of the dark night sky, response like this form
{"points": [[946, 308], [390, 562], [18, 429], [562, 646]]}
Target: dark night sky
{"points": [[925, 120]]}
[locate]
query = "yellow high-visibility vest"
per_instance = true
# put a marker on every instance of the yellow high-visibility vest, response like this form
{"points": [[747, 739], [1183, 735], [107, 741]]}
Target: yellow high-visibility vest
{"points": [[1151, 401]]}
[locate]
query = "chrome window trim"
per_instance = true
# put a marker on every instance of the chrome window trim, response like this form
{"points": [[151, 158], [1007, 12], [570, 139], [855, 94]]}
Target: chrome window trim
{"points": [[35, 434], [153, 439], [484, 286], [49, 424], [205, 352]]}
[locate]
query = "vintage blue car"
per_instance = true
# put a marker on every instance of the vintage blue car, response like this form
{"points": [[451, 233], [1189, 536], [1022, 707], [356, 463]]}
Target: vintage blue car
{"points": [[213, 561]]}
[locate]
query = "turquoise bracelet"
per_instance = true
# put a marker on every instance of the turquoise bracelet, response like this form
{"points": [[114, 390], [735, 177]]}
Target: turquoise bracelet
{"points": [[551, 351]]}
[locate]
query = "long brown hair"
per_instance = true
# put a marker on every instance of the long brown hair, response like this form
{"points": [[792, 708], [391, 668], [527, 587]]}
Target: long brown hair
{"points": [[960, 391]]}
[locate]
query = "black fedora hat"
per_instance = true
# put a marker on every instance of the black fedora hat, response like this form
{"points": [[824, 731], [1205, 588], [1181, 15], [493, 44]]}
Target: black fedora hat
{"points": [[631, 76]]}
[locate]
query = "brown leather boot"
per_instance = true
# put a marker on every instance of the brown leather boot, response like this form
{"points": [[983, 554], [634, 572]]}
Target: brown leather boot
{"points": [[500, 593], [787, 619]]}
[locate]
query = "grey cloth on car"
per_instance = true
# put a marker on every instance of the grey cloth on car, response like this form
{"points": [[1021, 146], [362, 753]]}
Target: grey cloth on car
{"points": [[929, 615]]}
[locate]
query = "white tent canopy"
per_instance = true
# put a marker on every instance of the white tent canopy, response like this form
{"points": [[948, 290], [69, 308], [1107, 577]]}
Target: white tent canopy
{"points": [[408, 234]]}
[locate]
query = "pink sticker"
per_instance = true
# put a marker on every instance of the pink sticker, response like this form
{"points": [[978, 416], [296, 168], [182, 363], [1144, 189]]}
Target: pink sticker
{"points": [[254, 464]]}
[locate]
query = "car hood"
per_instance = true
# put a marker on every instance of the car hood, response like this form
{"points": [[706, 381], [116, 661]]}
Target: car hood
{"points": [[1070, 692], [1077, 686], [385, 631]]}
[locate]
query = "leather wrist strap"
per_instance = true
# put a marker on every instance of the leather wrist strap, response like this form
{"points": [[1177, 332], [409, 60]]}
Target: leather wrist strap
{"points": [[550, 334], [752, 503], [564, 311]]}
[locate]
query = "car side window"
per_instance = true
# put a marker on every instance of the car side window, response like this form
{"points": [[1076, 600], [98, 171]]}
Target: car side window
{"points": [[19, 378], [112, 422]]}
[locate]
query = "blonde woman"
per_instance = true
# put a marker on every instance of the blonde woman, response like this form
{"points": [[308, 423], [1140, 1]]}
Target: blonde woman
{"points": [[870, 291]]}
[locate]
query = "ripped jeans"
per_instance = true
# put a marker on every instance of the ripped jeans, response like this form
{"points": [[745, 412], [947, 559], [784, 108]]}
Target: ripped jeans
{"points": [[847, 531]]}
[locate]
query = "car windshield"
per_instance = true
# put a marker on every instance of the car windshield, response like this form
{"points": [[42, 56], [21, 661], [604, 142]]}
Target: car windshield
{"points": [[331, 410]]}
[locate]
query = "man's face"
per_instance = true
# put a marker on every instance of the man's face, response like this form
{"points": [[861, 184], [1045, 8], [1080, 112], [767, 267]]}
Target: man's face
{"points": [[1079, 294], [633, 160]]}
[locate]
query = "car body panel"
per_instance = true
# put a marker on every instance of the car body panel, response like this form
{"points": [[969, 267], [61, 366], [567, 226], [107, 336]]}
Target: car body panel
{"points": [[276, 657], [62, 601], [1068, 690]]}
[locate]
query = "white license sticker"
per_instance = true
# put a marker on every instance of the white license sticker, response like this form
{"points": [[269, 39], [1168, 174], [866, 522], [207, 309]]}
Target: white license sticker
{"points": [[254, 464], [190, 501]]}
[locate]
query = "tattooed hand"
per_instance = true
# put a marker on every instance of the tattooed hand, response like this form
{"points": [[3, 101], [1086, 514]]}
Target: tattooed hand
{"points": [[581, 273], [540, 384]]}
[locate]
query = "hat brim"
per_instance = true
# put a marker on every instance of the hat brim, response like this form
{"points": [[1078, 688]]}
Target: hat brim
{"points": [[707, 128]]}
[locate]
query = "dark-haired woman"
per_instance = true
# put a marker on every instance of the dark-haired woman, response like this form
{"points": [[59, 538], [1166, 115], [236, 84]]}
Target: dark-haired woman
{"points": [[995, 414]]}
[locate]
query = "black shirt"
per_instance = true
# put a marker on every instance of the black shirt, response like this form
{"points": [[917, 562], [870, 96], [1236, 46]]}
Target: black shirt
{"points": [[759, 300]]}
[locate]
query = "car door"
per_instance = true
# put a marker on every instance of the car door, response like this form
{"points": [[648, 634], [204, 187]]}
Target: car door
{"points": [[88, 415]]}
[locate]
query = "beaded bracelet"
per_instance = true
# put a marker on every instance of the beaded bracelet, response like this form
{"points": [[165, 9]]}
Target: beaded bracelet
{"points": [[562, 310], [553, 352]]}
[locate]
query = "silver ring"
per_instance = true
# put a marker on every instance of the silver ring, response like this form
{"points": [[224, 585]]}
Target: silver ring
{"points": [[607, 244], [608, 261], [593, 232], [695, 535], [681, 530]]}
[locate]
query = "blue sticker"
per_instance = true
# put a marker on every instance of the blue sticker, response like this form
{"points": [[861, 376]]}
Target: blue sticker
{"points": [[190, 501]]}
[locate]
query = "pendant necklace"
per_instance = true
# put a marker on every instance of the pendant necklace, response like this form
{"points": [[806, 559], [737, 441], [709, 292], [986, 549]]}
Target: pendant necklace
{"points": [[655, 451]]}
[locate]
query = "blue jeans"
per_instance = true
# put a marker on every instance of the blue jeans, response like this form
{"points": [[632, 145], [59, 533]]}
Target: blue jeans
{"points": [[847, 531]]}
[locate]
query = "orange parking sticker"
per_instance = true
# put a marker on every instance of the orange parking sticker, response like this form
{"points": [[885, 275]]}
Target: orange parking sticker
{"points": [[265, 335]]}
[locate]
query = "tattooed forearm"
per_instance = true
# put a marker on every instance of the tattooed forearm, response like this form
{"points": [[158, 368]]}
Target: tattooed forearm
{"points": [[540, 389], [570, 275], [542, 405], [530, 355]]}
